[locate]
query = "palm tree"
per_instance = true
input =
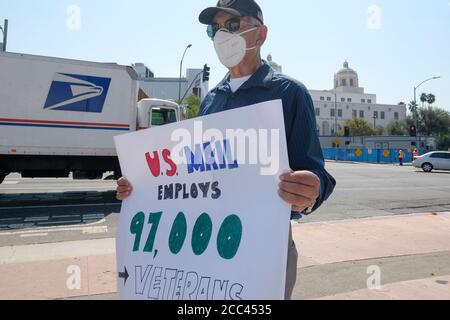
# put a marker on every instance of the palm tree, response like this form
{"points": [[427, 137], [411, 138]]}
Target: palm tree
{"points": [[431, 98], [423, 98], [413, 107]]}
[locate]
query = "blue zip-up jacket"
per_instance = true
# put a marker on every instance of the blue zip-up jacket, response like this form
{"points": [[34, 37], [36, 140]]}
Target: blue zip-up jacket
{"points": [[304, 150]]}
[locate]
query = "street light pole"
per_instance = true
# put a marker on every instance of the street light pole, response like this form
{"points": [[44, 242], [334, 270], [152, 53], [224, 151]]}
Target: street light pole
{"points": [[335, 114], [181, 69], [335, 134], [335, 123], [416, 120], [5, 34]]}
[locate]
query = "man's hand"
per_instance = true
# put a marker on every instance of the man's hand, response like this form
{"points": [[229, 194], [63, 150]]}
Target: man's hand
{"points": [[300, 189], [124, 189]]}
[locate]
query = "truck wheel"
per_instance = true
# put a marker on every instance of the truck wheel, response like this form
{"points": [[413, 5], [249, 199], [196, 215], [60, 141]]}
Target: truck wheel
{"points": [[427, 167], [2, 177], [117, 174], [96, 175]]}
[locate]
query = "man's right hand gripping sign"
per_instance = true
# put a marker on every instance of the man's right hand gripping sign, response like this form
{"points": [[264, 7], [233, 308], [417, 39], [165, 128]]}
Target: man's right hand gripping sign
{"points": [[237, 30]]}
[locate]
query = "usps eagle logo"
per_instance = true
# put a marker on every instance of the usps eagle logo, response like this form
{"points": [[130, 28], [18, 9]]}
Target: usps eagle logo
{"points": [[78, 93]]}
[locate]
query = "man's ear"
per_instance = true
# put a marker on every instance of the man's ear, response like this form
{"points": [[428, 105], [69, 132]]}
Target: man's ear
{"points": [[262, 35]]}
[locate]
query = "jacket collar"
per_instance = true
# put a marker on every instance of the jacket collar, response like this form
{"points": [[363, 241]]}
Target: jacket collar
{"points": [[261, 78]]}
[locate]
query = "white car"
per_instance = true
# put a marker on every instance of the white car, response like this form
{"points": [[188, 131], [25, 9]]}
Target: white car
{"points": [[438, 160]]}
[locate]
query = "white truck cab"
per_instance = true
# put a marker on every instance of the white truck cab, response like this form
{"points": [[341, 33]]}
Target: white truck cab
{"points": [[156, 112]]}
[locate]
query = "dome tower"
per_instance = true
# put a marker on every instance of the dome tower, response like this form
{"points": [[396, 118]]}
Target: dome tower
{"points": [[347, 80]]}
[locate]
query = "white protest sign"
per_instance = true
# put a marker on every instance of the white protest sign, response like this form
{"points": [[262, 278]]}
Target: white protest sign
{"points": [[204, 221]]}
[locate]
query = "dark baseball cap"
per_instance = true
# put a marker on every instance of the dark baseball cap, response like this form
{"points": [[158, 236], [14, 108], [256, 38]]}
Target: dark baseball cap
{"points": [[239, 8]]}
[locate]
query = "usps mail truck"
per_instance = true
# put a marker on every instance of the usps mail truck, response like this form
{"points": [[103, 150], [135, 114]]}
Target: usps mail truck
{"points": [[59, 116]]}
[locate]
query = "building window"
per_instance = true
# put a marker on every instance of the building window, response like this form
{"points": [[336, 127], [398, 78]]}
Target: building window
{"points": [[351, 83], [322, 99], [361, 114], [328, 98], [342, 99], [340, 113], [369, 100], [349, 100], [344, 82], [375, 114], [354, 114], [383, 116], [317, 112], [396, 116], [332, 113], [363, 100]]}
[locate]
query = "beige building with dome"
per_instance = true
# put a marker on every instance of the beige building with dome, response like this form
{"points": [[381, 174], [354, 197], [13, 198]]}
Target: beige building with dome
{"points": [[348, 100]]}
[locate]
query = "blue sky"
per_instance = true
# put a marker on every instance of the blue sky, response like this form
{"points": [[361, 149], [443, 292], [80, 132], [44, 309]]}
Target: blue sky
{"points": [[409, 42]]}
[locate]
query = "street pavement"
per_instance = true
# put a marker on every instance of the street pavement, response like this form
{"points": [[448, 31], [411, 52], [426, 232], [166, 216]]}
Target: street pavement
{"points": [[386, 226], [370, 190]]}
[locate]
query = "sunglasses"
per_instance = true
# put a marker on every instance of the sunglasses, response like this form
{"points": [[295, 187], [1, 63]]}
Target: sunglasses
{"points": [[233, 25]]}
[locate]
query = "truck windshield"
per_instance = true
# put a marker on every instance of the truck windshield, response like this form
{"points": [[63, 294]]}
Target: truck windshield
{"points": [[163, 116]]}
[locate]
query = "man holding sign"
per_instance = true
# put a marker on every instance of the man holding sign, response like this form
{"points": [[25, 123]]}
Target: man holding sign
{"points": [[238, 32]]}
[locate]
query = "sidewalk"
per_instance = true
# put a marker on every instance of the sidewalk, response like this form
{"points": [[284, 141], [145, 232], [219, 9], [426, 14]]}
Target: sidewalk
{"points": [[44, 271], [338, 255], [396, 164], [360, 239], [423, 289]]}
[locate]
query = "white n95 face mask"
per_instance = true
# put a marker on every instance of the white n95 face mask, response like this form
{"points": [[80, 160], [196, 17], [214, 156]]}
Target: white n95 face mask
{"points": [[230, 47]]}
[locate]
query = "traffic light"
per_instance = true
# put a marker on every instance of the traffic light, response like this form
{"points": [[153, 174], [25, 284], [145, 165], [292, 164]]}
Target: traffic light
{"points": [[413, 131], [206, 73], [347, 131]]}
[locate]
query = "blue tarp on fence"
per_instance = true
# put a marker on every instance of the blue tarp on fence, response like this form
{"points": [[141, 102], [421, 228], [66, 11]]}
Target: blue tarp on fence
{"points": [[368, 155]]}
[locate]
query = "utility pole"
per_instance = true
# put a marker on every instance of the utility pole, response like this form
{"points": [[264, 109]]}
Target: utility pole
{"points": [[416, 116], [335, 115], [335, 124], [181, 69], [5, 34]]}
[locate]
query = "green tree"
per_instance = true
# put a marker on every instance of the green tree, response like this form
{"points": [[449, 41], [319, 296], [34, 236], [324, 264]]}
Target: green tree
{"points": [[409, 121], [433, 121], [397, 128], [413, 108], [379, 131], [360, 127], [444, 141], [431, 98], [423, 98], [193, 105]]}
